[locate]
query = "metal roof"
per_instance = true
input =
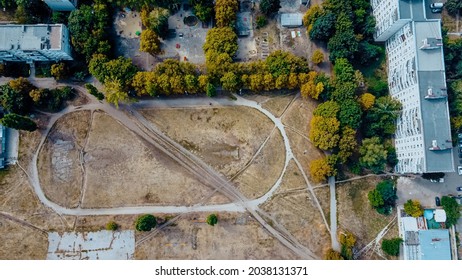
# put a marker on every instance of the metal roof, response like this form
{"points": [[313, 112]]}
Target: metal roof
{"points": [[291, 20], [434, 244]]}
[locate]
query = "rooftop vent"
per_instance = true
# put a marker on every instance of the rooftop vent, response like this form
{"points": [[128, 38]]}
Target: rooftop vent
{"points": [[431, 44]]}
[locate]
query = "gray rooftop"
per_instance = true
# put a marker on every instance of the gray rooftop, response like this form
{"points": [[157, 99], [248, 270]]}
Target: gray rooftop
{"points": [[30, 37], [433, 96], [291, 19]]}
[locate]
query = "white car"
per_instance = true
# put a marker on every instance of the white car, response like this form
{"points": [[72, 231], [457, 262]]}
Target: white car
{"points": [[459, 169]]}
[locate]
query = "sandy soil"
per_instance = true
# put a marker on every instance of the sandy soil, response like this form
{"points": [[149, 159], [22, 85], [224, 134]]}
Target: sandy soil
{"points": [[60, 169], [226, 138], [298, 213], [355, 213], [236, 236], [123, 171], [265, 169]]}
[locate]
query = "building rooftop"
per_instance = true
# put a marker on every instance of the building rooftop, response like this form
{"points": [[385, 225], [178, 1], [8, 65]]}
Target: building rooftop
{"points": [[433, 96], [30, 37], [291, 19], [434, 244]]}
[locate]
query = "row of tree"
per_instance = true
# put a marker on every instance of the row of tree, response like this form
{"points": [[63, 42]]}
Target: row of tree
{"points": [[453, 63]]}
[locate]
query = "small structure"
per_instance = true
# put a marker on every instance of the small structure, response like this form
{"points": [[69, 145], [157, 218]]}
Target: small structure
{"points": [[440, 216], [244, 23], [291, 20], [62, 5]]}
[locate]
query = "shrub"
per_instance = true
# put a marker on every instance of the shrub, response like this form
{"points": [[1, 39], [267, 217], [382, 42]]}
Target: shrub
{"points": [[145, 222], [391, 246], [317, 57], [261, 21], [212, 219], [112, 225], [94, 91]]}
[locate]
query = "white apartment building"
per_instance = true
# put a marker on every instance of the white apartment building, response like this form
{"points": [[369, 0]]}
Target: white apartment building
{"points": [[62, 5], [38, 42], [416, 77]]}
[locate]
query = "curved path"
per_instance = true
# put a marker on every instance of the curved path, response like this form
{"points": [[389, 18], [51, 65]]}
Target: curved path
{"points": [[147, 131]]}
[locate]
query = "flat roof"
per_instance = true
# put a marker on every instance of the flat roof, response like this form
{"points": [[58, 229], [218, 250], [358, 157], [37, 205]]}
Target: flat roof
{"points": [[434, 244], [291, 19], [30, 37]]}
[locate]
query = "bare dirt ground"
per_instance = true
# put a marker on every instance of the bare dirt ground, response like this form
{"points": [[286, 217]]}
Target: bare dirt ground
{"points": [[60, 162], [265, 169], [122, 171], [355, 213], [236, 236], [298, 213], [225, 138]]}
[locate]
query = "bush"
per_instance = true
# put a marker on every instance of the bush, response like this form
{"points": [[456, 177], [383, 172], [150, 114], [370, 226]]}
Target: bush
{"points": [[145, 222], [112, 225], [212, 219], [261, 21], [317, 57], [94, 91], [391, 246]]}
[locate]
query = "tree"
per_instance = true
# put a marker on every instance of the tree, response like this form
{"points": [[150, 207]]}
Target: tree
{"points": [[413, 208], [203, 9], [317, 57], [366, 100], [324, 132], [18, 122], [15, 96], [380, 119], [321, 168], [88, 27], [156, 20], [230, 82], [221, 40], [121, 69], [350, 113], [344, 43], [2, 69], [347, 144], [328, 109], [212, 219], [59, 17], [225, 12], [115, 93], [451, 208], [111, 225], [391, 246], [383, 197], [323, 27], [145, 222], [282, 62], [59, 71], [347, 241], [149, 42], [373, 154], [94, 91], [211, 91], [331, 254], [269, 7]]}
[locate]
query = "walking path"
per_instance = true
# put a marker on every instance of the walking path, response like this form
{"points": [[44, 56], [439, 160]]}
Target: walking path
{"points": [[333, 215]]}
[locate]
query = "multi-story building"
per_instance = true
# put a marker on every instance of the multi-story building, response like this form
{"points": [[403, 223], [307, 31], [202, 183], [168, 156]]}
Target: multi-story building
{"points": [[416, 77], [62, 5], [30, 43]]}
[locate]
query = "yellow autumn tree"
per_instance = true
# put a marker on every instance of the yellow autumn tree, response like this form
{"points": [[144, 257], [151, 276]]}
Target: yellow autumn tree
{"points": [[320, 169], [324, 132], [366, 100], [317, 57]]}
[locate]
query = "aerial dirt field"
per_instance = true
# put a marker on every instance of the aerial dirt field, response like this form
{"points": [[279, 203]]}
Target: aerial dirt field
{"points": [[236, 236], [295, 209], [226, 138], [264, 170], [122, 170], [61, 173], [355, 213]]}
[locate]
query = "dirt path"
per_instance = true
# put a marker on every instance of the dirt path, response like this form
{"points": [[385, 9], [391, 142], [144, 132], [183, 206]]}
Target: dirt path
{"points": [[147, 131]]}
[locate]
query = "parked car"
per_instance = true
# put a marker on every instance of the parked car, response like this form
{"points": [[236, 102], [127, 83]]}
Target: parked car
{"points": [[459, 169], [436, 7], [437, 201], [459, 136], [459, 189]]}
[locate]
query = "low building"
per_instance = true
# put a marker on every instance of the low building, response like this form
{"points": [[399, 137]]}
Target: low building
{"points": [[3, 149], [30, 43], [291, 20], [425, 238], [62, 5]]}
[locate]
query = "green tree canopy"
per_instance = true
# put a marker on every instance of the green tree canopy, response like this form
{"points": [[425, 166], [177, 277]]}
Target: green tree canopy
{"points": [[373, 154], [156, 20], [149, 42], [225, 12], [391, 246], [18, 122], [269, 7], [350, 113], [328, 109], [413, 208], [212, 219], [145, 222], [324, 132], [383, 197], [381, 117], [221, 40], [451, 208]]}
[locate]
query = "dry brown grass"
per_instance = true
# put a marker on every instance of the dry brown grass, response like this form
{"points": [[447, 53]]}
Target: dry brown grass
{"points": [[225, 138], [123, 171], [276, 104], [265, 169], [355, 213], [61, 174], [236, 236]]}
